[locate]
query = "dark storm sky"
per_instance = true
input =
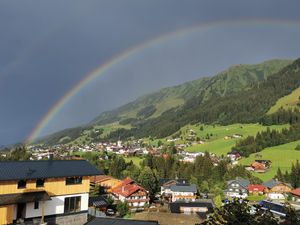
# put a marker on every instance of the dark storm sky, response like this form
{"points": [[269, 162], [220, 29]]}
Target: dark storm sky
{"points": [[49, 46]]}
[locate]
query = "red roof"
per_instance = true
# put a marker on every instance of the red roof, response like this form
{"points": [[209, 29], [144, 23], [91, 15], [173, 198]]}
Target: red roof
{"points": [[296, 191], [256, 188], [127, 188], [258, 166]]}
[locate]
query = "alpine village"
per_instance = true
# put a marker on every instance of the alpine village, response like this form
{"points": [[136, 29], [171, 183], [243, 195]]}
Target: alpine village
{"points": [[216, 150]]}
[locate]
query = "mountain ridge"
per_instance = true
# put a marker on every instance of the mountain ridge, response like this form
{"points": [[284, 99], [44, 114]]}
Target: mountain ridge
{"points": [[235, 79]]}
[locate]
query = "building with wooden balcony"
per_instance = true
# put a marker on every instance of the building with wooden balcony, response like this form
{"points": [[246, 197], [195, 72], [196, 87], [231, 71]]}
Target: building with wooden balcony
{"points": [[187, 192], [135, 195], [51, 191]]}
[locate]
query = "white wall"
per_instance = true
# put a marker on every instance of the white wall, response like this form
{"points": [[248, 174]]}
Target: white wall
{"points": [[55, 206]]}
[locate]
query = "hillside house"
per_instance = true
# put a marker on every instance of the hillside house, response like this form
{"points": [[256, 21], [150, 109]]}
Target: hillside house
{"points": [[107, 182], [276, 189], [256, 189], [56, 192], [296, 195], [258, 167], [237, 188], [129, 191], [165, 185], [186, 192]]}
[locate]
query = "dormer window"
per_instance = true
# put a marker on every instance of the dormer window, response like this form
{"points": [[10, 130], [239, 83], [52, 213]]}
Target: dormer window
{"points": [[73, 180], [21, 184], [40, 182]]}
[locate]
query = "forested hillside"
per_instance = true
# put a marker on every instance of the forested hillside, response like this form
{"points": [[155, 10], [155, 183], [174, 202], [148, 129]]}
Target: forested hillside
{"points": [[242, 107], [224, 98]]}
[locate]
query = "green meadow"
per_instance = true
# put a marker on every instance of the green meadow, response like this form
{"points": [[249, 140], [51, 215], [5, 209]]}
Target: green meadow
{"points": [[287, 102], [282, 157], [136, 160], [217, 143]]}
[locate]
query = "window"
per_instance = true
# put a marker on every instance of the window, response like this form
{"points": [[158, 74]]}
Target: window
{"points": [[40, 182], [73, 180], [72, 204], [36, 205], [21, 184]]}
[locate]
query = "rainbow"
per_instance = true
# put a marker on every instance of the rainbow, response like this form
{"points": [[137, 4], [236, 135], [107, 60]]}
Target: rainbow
{"points": [[103, 68]]}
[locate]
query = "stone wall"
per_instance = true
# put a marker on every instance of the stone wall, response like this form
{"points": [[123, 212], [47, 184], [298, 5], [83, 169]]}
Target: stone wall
{"points": [[75, 219]]}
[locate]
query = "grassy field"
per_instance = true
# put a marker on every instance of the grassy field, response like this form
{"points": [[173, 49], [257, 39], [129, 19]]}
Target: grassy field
{"points": [[286, 102], [217, 143], [136, 160], [256, 198], [281, 156]]}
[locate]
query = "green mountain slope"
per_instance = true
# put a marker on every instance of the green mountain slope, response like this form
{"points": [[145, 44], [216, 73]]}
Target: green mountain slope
{"points": [[290, 101], [247, 106], [163, 107], [236, 78]]}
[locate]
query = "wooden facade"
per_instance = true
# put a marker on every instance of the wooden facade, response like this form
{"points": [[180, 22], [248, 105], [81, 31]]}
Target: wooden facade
{"points": [[6, 214], [280, 188], [53, 186]]}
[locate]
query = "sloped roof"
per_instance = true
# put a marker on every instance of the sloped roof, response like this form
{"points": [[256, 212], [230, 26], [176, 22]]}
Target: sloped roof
{"points": [[243, 182], [258, 166], [115, 221], [164, 181], [184, 188], [100, 178], [98, 201], [127, 188], [296, 192], [256, 187], [24, 170], [273, 182]]}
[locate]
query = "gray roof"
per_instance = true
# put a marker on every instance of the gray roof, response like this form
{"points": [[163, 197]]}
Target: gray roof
{"points": [[184, 188], [273, 182], [115, 221], [242, 182], [17, 170]]}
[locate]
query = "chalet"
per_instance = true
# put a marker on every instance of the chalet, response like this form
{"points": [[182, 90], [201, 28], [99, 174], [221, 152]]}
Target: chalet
{"points": [[107, 182], [256, 189], [258, 167], [118, 221], [165, 185], [234, 156], [185, 192], [129, 191], [296, 195], [51, 191], [276, 189], [237, 188]]}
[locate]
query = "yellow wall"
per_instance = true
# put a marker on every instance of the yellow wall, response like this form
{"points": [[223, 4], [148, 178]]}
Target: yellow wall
{"points": [[53, 186], [6, 214]]}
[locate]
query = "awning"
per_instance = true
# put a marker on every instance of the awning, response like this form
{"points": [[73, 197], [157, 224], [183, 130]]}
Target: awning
{"points": [[10, 199]]}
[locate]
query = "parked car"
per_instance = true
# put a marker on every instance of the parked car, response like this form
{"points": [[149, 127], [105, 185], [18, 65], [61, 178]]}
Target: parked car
{"points": [[110, 212]]}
